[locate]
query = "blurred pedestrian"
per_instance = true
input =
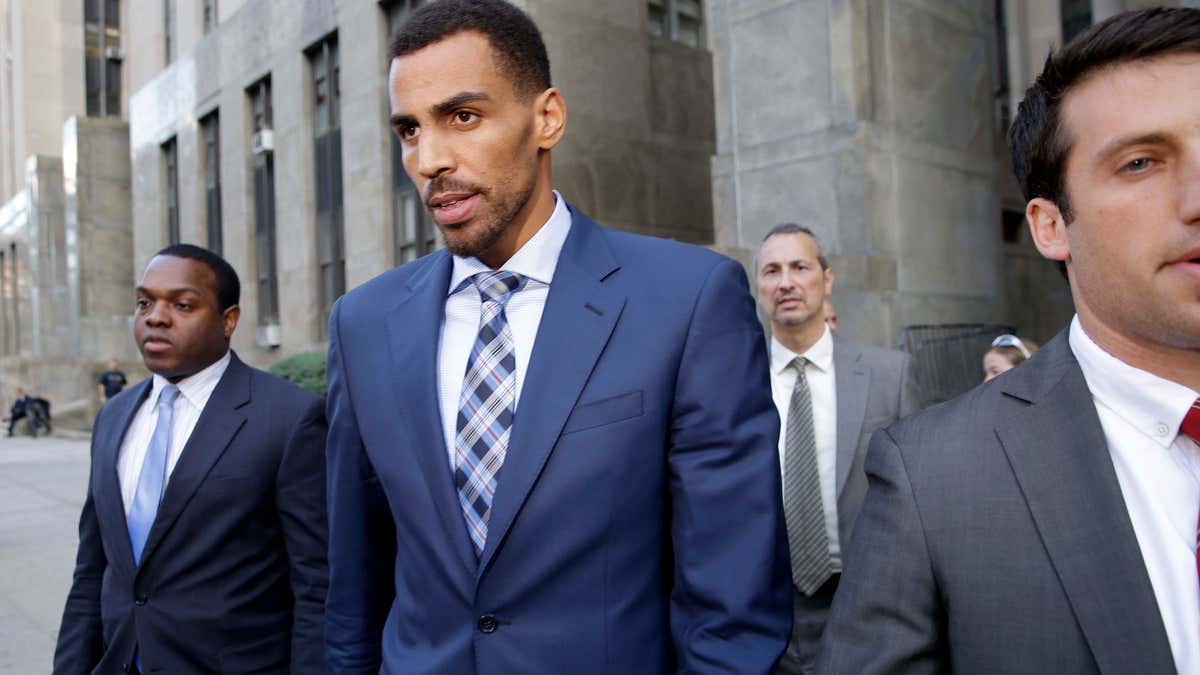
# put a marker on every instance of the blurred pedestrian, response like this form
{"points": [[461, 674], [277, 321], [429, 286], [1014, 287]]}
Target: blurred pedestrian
{"points": [[202, 537], [830, 316], [1007, 352], [112, 381], [1046, 520]]}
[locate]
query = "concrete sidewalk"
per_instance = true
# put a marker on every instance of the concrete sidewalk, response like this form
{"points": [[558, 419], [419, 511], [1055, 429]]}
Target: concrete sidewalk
{"points": [[42, 484]]}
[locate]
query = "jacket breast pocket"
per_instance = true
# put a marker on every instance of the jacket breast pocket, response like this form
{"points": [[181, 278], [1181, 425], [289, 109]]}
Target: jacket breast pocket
{"points": [[605, 411]]}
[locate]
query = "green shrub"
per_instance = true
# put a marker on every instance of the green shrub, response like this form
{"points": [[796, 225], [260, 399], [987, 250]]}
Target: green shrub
{"points": [[306, 370]]}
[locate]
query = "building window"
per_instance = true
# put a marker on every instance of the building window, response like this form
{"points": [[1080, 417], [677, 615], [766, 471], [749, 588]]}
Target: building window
{"points": [[678, 20], [210, 16], [327, 151], [171, 162], [168, 30], [413, 233], [263, 149], [102, 57], [1076, 17], [6, 298], [211, 130]]}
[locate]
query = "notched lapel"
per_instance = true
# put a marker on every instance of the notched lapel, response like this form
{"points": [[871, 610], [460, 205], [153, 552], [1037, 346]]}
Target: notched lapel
{"points": [[414, 327], [852, 380], [219, 423], [109, 505], [1060, 457], [579, 317]]}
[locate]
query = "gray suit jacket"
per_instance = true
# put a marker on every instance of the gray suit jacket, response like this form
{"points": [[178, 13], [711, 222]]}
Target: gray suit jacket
{"points": [[875, 387], [995, 538]]}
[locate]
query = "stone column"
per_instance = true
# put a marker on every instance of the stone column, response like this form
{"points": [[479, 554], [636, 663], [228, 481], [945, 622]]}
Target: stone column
{"points": [[870, 122]]}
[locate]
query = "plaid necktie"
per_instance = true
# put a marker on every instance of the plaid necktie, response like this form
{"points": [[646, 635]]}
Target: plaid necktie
{"points": [[802, 508], [487, 405], [1191, 427], [153, 475]]}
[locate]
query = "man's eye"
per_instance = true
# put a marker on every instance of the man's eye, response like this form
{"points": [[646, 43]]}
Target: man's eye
{"points": [[464, 117], [183, 306], [408, 132], [142, 303], [1139, 164]]}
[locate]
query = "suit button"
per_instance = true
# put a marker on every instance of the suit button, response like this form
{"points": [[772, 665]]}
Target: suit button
{"points": [[124, 667], [488, 624], [140, 599]]}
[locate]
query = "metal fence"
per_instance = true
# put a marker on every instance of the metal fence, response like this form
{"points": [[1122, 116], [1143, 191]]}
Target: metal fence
{"points": [[948, 357]]}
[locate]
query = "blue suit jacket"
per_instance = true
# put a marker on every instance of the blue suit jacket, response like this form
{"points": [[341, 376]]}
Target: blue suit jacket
{"points": [[233, 575], [637, 526]]}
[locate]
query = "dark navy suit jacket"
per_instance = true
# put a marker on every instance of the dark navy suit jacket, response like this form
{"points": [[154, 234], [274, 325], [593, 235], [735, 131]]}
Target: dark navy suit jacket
{"points": [[637, 526], [233, 575]]}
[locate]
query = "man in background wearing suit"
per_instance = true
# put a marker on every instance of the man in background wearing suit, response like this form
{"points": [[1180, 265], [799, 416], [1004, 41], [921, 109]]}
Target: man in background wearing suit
{"points": [[832, 394], [202, 539], [551, 448], [1046, 520]]}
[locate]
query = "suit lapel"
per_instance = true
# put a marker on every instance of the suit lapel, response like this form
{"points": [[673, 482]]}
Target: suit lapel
{"points": [[578, 319], [110, 506], [218, 424], [1060, 457], [414, 327], [852, 381]]}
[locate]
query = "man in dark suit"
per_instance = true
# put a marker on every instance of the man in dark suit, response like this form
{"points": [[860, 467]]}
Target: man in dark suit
{"points": [[832, 395], [602, 500], [1046, 521], [202, 539]]}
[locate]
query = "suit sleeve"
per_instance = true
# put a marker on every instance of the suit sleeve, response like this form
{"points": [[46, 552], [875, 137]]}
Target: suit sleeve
{"points": [[911, 394], [300, 498], [731, 605], [886, 617], [362, 544], [81, 634]]}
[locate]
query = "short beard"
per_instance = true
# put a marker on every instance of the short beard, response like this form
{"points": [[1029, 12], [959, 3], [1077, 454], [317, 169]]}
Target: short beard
{"points": [[479, 235]]}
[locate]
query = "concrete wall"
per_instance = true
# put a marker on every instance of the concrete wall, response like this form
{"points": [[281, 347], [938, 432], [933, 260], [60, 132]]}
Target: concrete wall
{"points": [[871, 123], [635, 155]]}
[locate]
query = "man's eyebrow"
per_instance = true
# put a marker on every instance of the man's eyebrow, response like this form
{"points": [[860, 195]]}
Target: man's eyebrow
{"points": [[398, 121], [1121, 142], [460, 99], [170, 291]]}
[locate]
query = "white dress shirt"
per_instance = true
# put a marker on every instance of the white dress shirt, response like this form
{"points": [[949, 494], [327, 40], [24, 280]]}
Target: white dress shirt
{"points": [[823, 390], [536, 262], [1158, 469], [194, 392]]}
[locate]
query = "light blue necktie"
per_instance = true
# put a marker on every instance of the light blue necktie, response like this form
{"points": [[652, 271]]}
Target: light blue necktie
{"points": [[153, 475]]}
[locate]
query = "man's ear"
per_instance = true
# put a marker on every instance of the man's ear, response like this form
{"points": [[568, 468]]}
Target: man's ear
{"points": [[551, 118], [828, 274], [230, 319], [1048, 228]]}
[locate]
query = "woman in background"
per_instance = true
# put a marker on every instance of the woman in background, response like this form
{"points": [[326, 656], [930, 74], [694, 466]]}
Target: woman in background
{"points": [[1007, 352]]}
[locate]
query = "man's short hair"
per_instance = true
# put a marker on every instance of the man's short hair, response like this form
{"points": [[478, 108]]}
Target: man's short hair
{"points": [[1037, 140], [229, 288], [516, 42], [794, 228]]}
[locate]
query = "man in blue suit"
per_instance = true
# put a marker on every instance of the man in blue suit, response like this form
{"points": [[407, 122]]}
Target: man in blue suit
{"points": [[552, 446], [202, 539]]}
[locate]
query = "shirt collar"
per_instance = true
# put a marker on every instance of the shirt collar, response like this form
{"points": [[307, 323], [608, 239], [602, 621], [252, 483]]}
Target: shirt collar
{"points": [[195, 388], [536, 260], [1153, 405], [820, 354]]}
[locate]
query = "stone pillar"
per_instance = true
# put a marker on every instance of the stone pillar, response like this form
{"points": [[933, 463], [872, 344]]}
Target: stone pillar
{"points": [[870, 122], [45, 240], [100, 270]]}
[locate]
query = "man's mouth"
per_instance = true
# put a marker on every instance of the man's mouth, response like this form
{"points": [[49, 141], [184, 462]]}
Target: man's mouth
{"points": [[156, 344], [452, 208]]}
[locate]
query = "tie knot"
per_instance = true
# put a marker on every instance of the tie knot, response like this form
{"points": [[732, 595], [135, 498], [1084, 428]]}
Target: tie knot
{"points": [[168, 395], [798, 364], [1191, 422], [497, 285]]}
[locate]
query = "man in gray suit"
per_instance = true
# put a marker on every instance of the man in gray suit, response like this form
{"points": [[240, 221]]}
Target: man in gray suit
{"points": [[831, 394], [1046, 520]]}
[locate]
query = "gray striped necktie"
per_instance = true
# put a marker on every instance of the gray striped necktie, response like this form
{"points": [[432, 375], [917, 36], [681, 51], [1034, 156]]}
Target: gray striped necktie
{"points": [[802, 508]]}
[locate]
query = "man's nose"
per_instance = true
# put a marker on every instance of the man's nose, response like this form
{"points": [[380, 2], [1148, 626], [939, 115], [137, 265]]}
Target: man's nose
{"points": [[434, 155]]}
